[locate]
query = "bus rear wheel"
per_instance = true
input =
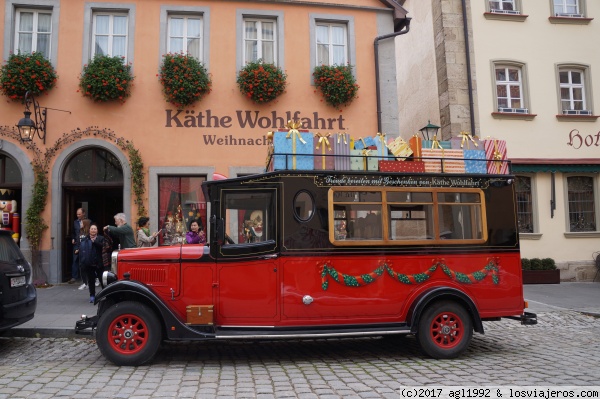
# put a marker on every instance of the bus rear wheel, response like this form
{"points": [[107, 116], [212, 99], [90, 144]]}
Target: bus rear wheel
{"points": [[445, 330], [128, 334]]}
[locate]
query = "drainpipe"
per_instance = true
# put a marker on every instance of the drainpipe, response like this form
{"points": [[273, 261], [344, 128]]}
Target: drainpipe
{"points": [[377, 85], [469, 75]]}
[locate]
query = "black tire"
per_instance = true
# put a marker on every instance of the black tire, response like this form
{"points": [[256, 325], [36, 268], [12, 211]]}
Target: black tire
{"points": [[445, 330], [129, 334]]}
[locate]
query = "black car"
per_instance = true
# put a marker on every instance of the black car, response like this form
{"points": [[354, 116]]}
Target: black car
{"points": [[18, 297]]}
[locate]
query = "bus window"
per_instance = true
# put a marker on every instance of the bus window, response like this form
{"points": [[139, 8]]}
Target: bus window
{"points": [[460, 216], [410, 215], [357, 215]]}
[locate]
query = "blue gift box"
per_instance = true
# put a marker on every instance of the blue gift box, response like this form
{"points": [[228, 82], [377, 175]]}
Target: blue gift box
{"points": [[360, 161], [362, 143], [473, 166], [299, 144]]}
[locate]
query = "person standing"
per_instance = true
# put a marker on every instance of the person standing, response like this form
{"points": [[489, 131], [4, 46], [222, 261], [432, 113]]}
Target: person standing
{"points": [[144, 238], [77, 225], [196, 234], [90, 259], [122, 231], [83, 232]]}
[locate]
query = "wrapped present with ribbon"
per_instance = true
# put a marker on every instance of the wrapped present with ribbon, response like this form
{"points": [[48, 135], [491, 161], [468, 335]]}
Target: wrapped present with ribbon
{"points": [[366, 143], [407, 167], [270, 161], [473, 150], [341, 148], [297, 144], [363, 160], [441, 160], [381, 148], [324, 151], [495, 153], [437, 144], [400, 148], [415, 143], [464, 141]]}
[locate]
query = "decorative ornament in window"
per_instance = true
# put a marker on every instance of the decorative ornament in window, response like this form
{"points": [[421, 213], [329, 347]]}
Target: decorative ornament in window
{"points": [[261, 82], [106, 79], [24, 73], [184, 79], [336, 83]]}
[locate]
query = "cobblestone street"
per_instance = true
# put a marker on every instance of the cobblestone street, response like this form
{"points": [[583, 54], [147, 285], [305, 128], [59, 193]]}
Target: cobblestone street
{"points": [[561, 350]]}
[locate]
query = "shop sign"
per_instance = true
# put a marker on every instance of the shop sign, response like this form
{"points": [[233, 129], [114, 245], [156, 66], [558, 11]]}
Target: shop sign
{"points": [[578, 140]]}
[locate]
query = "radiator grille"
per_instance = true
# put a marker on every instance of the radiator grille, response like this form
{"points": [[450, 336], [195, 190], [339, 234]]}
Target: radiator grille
{"points": [[156, 276]]}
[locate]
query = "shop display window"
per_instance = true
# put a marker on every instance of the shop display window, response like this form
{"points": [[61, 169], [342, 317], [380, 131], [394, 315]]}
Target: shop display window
{"points": [[180, 201]]}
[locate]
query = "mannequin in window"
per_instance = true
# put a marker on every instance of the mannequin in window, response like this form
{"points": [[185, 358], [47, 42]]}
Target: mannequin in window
{"points": [[253, 227]]}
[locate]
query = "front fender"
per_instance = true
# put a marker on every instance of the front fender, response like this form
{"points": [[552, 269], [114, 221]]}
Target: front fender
{"points": [[427, 297], [126, 290]]}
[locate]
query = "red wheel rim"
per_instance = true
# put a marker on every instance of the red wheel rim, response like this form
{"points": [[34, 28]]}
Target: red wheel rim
{"points": [[128, 334], [446, 330]]}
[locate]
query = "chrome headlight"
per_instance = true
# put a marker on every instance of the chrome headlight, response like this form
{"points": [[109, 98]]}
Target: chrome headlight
{"points": [[108, 278]]}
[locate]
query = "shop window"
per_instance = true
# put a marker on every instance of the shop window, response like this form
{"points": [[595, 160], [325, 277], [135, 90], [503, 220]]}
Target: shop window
{"points": [[581, 202], [574, 90], [524, 204], [180, 202], [260, 40], [93, 166], [185, 35]]}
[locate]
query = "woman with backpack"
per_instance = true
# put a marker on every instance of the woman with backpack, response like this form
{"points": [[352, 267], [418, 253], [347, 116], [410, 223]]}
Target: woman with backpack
{"points": [[90, 258]]}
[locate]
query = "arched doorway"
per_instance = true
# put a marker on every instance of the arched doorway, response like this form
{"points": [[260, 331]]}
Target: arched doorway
{"points": [[92, 180], [11, 205]]}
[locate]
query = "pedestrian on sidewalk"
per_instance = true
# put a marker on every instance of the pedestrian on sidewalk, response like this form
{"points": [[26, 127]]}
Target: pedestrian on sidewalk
{"points": [[122, 231], [90, 259], [77, 225], [83, 232]]}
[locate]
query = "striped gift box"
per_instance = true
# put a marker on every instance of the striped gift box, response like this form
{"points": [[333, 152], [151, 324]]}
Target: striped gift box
{"points": [[453, 160], [495, 153]]}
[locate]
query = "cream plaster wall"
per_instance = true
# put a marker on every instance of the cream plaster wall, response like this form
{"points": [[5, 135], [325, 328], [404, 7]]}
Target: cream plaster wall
{"points": [[417, 78]]}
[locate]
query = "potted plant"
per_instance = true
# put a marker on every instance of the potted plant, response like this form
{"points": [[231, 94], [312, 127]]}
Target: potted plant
{"points": [[261, 82], [336, 83], [184, 79], [106, 79], [540, 271], [24, 73]]}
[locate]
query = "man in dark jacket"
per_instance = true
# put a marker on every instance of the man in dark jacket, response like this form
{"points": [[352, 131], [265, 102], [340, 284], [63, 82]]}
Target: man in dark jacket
{"points": [[90, 259], [77, 224]]}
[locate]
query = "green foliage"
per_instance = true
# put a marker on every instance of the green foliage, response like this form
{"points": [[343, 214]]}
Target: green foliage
{"points": [[35, 225], [106, 79], [26, 72], [184, 79], [525, 264], [536, 264], [548, 264], [137, 177], [337, 84], [261, 82]]}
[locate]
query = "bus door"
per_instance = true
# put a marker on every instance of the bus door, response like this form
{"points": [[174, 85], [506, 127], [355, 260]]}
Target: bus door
{"points": [[248, 260]]}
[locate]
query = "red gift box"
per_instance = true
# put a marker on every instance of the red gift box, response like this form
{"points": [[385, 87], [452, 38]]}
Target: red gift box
{"points": [[397, 166]]}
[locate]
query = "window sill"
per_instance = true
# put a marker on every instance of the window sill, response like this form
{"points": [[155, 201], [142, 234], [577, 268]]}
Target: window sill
{"points": [[530, 236], [570, 20], [511, 115], [577, 118], [585, 234], [505, 17]]}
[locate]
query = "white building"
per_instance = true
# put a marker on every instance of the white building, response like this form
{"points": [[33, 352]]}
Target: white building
{"points": [[534, 76]]}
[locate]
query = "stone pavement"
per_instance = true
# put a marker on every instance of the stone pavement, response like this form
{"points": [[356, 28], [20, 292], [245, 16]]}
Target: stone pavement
{"points": [[60, 306]]}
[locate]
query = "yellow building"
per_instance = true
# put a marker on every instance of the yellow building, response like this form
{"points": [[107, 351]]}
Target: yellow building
{"points": [[84, 154]]}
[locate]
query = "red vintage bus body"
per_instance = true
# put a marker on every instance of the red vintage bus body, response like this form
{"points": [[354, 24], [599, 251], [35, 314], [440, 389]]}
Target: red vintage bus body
{"points": [[299, 278]]}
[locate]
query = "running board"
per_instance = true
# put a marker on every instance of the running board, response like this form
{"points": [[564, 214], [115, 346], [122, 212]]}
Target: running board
{"points": [[231, 334]]}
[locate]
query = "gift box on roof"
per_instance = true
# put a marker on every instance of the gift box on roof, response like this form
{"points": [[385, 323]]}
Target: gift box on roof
{"points": [[324, 151], [341, 148], [443, 161], [363, 160], [464, 141], [381, 149], [295, 142], [436, 144], [475, 161], [364, 143], [495, 152], [415, 143], [400, 148], [408, 167]]}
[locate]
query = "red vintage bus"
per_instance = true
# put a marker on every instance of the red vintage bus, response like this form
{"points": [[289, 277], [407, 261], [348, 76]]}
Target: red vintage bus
{"points": [[314, 254]]}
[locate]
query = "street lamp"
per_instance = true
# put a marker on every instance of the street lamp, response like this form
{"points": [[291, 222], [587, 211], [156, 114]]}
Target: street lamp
{"points": [[28, 127], [429, 131]]}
